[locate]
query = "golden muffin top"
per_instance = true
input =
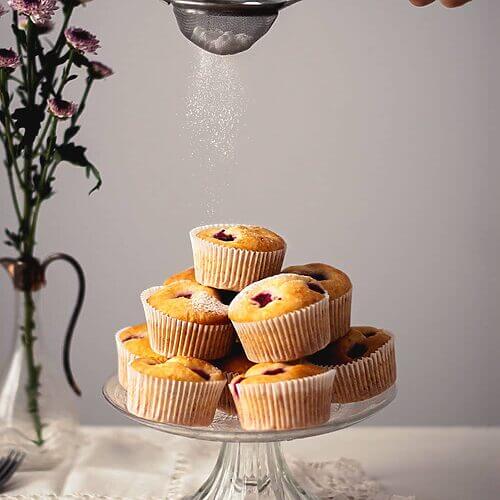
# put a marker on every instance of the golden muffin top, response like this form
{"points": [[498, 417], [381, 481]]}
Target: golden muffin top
{"points": [[187, 274], [254, 238], [333, 280], [135, 341], [180, 368], [360, 342], [236, 362], [275, 296], [267, 373], [190, 301]]}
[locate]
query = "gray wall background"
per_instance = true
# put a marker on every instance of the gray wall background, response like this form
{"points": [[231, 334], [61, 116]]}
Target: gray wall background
{"points": [[369, 140]]}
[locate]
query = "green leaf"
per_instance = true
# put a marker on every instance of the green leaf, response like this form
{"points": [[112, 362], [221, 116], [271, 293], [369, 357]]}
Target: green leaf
{"points": [[30, 120], [75, 155], [71, 132]]}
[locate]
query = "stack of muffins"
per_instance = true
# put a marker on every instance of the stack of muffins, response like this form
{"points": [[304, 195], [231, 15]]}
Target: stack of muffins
{"points": [[238, 333]]}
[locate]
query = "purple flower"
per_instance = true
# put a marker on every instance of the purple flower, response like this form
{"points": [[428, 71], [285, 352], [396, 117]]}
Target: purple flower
{"points": [[9, 59], [82, 40], [40, 11], [99, 70], [62, 109], [3, 10]]}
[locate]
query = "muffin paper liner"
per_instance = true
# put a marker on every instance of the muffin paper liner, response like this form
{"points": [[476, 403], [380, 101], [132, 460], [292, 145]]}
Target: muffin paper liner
{"points": [[174, 337], [366, 377], [231, 268], [226, 402], [124, 358], [172, 401], [292, 404], [340, 316], [287, 337]]}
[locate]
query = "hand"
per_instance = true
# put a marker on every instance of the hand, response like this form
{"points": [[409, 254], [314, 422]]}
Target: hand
{"points": [[446, 3]]}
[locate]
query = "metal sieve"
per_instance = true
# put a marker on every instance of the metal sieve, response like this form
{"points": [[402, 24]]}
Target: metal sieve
{"points": [[226, 26]]}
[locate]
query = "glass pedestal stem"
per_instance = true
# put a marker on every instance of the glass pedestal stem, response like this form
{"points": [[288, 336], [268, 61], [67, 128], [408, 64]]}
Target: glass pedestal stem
{"points": [[253, 471]]}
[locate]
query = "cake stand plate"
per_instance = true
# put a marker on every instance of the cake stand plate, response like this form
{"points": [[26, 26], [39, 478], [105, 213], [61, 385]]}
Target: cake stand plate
{"points": [[251, 464]]}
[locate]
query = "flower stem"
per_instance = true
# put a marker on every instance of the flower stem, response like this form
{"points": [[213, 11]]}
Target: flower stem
{"points": [[33, 382]]}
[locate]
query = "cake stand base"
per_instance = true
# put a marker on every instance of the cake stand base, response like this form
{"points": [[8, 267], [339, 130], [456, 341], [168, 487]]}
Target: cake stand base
{"points": [[251, 471]]}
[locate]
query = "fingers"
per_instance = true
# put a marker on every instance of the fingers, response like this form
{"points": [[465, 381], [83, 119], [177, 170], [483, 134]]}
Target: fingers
{"points": [[421, 3], [446, 3], [454, 3]]}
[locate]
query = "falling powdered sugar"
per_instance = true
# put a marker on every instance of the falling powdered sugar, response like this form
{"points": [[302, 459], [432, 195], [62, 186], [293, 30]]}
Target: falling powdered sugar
{"points": [[215, 105]]}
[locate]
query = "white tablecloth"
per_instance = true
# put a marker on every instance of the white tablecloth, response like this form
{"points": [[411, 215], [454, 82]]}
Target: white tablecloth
{"points": [[132, 462]]}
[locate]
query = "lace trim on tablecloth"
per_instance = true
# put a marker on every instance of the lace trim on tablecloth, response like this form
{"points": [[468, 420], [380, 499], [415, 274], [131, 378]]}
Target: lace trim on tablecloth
{"points": [[342, 479]]}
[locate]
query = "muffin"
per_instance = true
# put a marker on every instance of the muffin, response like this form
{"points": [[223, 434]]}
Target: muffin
{"points": [[281, 318], [365, 362], [187, 319], [280, 396], [132, 343], [181, 390], [236, 363], [187, 274], [339, 288], [230, 257]]}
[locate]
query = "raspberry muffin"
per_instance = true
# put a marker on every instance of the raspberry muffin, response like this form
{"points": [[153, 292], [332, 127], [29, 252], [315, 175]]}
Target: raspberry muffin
{"points": [[280, 396], [187, 274], [339, 288], [365, 362], [281, 318], [181, 390], [230, 257], [185, 318], [232, 365], [132, 343]]}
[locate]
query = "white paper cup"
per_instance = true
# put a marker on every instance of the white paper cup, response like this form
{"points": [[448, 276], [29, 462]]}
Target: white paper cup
{"points": [[174, 337], [226, 403], [367, 377], [287, 337], [172, 401], [228, 268], [340, 316], [292, 404]]}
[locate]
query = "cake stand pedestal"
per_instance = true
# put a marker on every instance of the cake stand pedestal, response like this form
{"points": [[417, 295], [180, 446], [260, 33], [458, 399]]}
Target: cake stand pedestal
{"points": [[251, 464]]}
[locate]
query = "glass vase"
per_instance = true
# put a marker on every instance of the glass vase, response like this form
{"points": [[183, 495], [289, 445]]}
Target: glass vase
{"points": [[37, 408]]}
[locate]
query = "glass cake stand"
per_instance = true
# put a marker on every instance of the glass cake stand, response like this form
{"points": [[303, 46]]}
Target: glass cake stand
{"points": [[251, 464]]}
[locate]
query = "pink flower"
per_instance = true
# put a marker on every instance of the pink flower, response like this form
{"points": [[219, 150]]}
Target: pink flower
{"points": [[82, 40], [42, 28], [99, 70], [3, 10], [62, 109], [40, 11], [9, 59]]}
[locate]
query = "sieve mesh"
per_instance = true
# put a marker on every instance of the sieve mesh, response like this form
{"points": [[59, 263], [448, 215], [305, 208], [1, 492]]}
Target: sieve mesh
{"points": [[223, 33]]}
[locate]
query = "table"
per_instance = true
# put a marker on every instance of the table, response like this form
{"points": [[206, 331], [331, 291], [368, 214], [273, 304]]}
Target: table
{"points": [[445, 463]]}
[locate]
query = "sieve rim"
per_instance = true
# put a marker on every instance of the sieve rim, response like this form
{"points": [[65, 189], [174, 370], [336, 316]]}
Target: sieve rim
{"points": [[235, 7]]}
